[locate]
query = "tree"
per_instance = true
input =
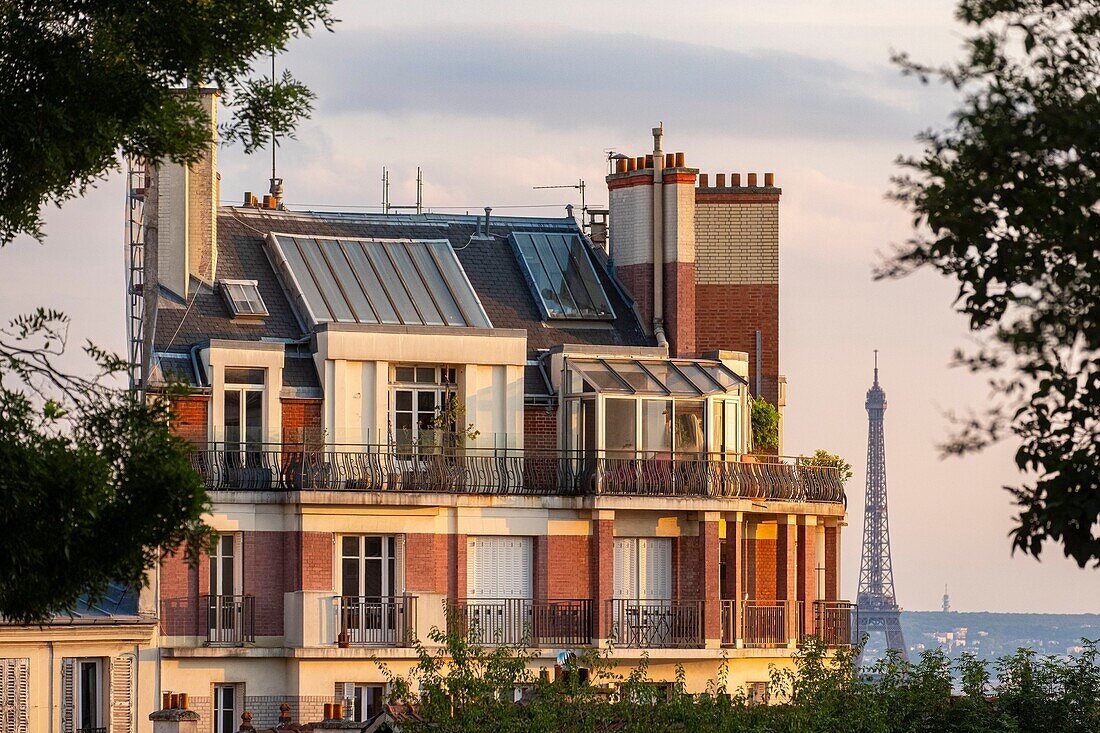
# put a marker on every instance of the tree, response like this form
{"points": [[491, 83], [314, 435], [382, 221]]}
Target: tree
{"points": [[93, 484], [1006, 201], [765, 426], [822, 457], [82, 80]]}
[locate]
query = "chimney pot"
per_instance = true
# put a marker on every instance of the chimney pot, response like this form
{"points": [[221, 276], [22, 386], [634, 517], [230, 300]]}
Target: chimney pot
{"points": [[630, 165], [173, 701], [328, 711], [620, 166], [183, 700], [247, 198], [769, 179], [704, 180], [680, 160], [269, 201], [752, 179], [735, 179], [648, 161], [670, 160], [166, 701], [720, 180], [338, 711]]}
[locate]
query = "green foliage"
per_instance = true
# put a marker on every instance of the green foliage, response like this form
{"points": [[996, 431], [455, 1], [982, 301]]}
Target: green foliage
{"points": [[822, 457], [464, 687], [1004, 201], [765, 426], [92, 482], [81, 80], [448, 420]]}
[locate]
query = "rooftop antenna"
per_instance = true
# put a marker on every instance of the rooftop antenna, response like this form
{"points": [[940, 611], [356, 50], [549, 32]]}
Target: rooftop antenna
{"points": [[276, 182], [579, 185], [385, 190], [387, 207]]}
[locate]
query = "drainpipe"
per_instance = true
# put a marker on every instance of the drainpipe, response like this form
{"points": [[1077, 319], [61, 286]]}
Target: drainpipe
{"points": [[659, 238]]}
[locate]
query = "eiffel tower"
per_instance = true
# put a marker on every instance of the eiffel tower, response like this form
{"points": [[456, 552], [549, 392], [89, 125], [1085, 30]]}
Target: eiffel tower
{"points": [[878, 607]]}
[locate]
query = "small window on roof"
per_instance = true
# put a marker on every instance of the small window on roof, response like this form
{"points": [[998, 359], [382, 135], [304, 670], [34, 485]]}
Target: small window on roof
{"points": [[243, 298], [561, 275]]}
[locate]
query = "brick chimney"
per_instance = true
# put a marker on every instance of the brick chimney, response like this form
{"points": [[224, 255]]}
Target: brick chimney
{"points": [[181, 214], [639, 187]]}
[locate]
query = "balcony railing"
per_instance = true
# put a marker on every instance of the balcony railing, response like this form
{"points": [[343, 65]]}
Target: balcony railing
{"points": [[656, 623], [835, 622], [377, 620], [294, 467], [522, 621], [230, 620]]}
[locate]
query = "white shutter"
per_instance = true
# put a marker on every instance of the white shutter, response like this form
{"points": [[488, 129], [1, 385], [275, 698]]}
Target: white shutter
{"points": [[656, 574], [499, 567], [14, 695], [626, 567], [68, 698], [122, 695]]}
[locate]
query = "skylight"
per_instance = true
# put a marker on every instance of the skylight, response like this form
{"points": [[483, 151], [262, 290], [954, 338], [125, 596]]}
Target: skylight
{"points": [[560, 273], [673, 377], [404, 282], [243, 298]]}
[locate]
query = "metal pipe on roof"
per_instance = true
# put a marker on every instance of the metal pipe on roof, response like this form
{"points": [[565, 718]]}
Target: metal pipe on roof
{"points": [[658, 239]]}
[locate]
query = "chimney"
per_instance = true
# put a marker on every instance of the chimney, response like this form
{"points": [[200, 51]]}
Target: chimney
{"points": [[182, 235], [174, 717]]}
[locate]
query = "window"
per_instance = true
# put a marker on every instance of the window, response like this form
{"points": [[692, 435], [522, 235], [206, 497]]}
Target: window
{"points": [[561, 275], [243, 298], [418, 394], [757, 693], [643, 568], [409, 282], [226, 698], [88, 700], [223, 609], [498, 567], [369, 566], [14, 695], [362, 702], [243, 416]]}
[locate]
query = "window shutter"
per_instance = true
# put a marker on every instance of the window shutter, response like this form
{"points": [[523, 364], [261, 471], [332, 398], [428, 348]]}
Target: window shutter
{"points": [[657, 568], [122, 698], [67, 697], [14, 695], [398, 565], [626, 567]]}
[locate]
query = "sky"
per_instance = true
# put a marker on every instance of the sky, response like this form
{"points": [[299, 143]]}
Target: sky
{"points": [[493, 98]]}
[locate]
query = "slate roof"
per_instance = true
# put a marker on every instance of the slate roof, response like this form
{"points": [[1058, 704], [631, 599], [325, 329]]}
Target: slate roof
{"points": [[490, 265]]}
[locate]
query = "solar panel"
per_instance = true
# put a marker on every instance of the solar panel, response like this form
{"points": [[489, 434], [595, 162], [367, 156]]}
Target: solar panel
{"points": [[369, 281], [561, 275]]}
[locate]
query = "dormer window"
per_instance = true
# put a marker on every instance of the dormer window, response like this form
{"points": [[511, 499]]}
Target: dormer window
{"points": [[243, 298]]}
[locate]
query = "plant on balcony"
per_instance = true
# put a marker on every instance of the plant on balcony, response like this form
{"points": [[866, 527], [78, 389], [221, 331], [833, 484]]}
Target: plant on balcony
{"points": [[448, 420], [765, 427], [824, 458]]}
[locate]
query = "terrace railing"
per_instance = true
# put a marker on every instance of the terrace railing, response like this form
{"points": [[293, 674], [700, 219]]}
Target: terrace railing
{"points": [[835, 622], [522, 621], [230, 620], [475, 470], [377, 620], [656, 623]]}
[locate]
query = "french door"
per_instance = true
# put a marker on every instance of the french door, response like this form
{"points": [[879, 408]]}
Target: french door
{"points": [[373, 609]]}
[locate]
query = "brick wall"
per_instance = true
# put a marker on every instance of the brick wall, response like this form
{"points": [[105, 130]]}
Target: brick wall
{"points": [[760, 570], [426, 563], [638, 281], [567, 568], [807, 573], [728, 316], [179, 592], [307, 561], [189, 418], [680, 308], [301, 420], [262, 563], [456, 559], [786, 581], [540, 428], [601, 552]]}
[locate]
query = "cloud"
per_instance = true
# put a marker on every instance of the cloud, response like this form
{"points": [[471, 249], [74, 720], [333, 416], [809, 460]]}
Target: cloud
{"points": [[571, 79]]}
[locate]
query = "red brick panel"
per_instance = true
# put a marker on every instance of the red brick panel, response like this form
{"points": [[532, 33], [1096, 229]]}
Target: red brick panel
{"points": [[426, 563], [189, 418], [301, 420], [540, 428], [262, 563], [708, 580], [638, 281], [728, 316], [832, 563], [456, 563], [760, 575], [785, 561], [179, 592], [567, 567], [679, 292], [807, 573], [602, 574], [735, 568], [309, 561]]}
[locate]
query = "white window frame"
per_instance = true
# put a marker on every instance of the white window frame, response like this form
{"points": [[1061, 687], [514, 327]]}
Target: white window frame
{"points": [[391, 550], [79, 692], [217, 707], [242, 412], [215, 564], [227, 293], [443, 386], [356, 693]]}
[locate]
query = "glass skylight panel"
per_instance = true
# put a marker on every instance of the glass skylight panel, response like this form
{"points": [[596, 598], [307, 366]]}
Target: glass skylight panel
{"points": [[600, 376], [638, 378], [244, 298], [371, 281], [674, 382], [561, 274]]}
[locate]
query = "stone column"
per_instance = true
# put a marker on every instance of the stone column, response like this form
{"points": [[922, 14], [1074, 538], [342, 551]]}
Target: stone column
{"points": [[709, 547], [735, 592], [807, 570], [602, 573], [786, 568]]}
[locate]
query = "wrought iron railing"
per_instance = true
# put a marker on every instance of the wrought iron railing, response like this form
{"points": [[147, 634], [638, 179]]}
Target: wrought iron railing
{"points": [[377, 620], [835, 622], [764, 624], [656, 623], [522, 621], [291, 467], [230, 620]]}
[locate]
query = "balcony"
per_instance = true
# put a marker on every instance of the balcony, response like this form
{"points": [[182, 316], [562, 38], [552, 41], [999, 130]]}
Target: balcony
{"points": [[656, 624], [775, 624], [376, 620], [230, 620], [522, 621], [513, 471]]}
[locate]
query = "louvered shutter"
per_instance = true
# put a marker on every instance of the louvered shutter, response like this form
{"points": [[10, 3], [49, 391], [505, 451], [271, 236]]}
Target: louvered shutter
{"points": [[68, 703], [656, 575], [626, 568], [499, 567], [398, 565], [14, 695], [122, 694]]}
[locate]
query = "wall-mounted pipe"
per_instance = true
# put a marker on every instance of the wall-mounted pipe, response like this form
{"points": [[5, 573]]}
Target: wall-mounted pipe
{"points": [[658, 238]]}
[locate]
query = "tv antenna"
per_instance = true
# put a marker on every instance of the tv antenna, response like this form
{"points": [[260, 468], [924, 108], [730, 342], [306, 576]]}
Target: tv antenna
{"points": [[579, 185], [387, 207], [276, 182]]}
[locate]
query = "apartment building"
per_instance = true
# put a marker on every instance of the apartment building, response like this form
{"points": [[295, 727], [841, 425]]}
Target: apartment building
{"points": [[483, 423]]}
